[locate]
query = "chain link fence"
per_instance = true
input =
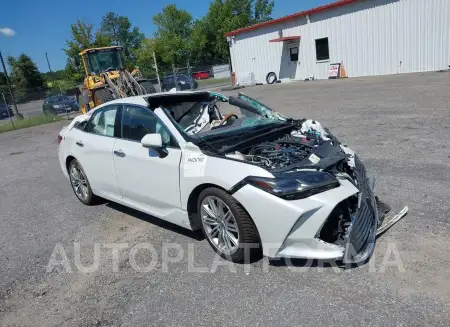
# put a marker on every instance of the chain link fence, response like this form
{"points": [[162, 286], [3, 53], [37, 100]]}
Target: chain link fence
{"points": [[191, 77], [38, 101], [56, 100]]}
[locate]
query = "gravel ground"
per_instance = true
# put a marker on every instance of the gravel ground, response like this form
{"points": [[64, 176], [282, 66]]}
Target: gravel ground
{"points": [[399, 125]]}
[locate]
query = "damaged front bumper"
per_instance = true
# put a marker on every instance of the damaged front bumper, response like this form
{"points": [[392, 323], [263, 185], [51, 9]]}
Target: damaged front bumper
{"points": [[363, 229], [291, 229]]}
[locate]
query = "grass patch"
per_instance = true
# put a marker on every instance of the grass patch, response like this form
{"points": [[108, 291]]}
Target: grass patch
{"points": [[214, 81], [29, 122]]}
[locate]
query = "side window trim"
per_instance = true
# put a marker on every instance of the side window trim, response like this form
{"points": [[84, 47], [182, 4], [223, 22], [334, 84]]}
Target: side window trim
{"points": [[176, 146], [116, 121], [90, 120]]}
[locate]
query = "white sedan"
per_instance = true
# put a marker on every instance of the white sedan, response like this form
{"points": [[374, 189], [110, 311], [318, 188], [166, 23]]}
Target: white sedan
{"points": [[253, 179]]}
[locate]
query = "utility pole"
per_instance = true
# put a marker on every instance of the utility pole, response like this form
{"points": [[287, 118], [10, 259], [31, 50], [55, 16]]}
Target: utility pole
{"points": [[175, 79], [7, 110], [48, 62], [157, 73], [11, 93]]}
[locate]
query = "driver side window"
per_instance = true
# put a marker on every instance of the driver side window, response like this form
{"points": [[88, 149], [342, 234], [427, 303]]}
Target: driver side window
{"points": [[138, 122]]}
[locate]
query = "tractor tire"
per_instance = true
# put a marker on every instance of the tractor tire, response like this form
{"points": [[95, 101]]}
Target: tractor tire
{"points": [[102, 96], [84, 108], [148, 87]]}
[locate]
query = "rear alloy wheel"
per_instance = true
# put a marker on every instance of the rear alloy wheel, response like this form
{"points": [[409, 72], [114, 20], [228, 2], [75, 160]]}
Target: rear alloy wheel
{"points": [[102, 96], [227, 226], [80, 183], [148, 87]]}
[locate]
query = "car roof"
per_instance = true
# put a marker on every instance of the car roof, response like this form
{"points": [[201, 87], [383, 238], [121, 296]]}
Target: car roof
{"points": [[144, 100]]}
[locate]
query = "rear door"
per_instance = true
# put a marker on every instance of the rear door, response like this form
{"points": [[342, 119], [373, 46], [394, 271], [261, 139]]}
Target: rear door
{"points": [[146, 178], [93, 148]]}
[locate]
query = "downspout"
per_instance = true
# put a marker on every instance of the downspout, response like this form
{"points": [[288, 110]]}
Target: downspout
{"points": [[308, 22]]}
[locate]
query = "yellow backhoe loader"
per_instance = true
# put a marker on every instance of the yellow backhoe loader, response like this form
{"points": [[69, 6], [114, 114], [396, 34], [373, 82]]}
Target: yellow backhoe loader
{"points": [[106, 78]]}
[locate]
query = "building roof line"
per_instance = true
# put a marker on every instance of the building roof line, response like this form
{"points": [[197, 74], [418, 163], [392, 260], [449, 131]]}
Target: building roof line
{"points": [[293, 16]]}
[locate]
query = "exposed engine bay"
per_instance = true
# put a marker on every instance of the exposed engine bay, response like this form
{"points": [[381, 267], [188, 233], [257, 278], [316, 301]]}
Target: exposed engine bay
{"points": [[279, 154], [308, 145]]}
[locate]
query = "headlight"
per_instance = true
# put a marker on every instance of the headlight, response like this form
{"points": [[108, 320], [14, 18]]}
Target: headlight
{"points": [[294, 186]]}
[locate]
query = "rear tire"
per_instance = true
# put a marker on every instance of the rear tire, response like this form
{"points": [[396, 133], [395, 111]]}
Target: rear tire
{"points": [[80, 184], [238, 224], [148, 87], [102, 96]]}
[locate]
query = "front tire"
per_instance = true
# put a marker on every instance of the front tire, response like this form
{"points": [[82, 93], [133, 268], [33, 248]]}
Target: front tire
{"points": [[80, 183], [227, 226]]}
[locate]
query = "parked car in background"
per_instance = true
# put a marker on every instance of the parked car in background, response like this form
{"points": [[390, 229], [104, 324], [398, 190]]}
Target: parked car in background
{"points": [[184, 83], [4, 111], [59, 104], [201, 75]]}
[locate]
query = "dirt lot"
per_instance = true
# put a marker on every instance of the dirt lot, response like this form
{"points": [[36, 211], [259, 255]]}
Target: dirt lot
{"points": [[399, 125]]}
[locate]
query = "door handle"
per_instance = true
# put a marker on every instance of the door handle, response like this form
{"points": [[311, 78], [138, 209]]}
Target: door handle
{"points": [[79, 143], [119, 153]]}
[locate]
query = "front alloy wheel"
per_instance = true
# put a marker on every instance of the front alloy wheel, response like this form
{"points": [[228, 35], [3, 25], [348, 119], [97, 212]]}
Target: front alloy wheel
{"points": [[227, 226], [220, 225]]}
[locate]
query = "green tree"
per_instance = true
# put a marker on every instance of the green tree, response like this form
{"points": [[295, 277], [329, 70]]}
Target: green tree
{"points": [[198, 43], [174, 27], [262, 11], [2, 79], [226, 15], [24, 73], [144, 56], [84, 36], [120, 32]]}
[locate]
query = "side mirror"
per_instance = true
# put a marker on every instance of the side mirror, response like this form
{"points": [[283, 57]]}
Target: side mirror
{"points": [[153, 140]]}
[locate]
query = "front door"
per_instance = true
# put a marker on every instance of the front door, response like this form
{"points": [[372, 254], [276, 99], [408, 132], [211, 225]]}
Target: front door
{"points": [[289, 60], [147, 178]]}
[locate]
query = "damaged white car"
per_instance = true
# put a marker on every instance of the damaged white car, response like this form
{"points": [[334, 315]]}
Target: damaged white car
{"points": [[250, 179]]}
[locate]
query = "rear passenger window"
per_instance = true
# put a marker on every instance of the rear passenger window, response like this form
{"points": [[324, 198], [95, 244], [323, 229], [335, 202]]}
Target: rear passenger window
{"points": [[102, 121], [138, 122]]}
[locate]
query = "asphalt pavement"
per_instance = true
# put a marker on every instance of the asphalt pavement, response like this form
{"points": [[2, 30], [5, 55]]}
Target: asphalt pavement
{"points": [[399, 126]]}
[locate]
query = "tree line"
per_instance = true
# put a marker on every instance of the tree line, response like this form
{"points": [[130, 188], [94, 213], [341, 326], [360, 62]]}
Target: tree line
{"points": [[178, 40]]}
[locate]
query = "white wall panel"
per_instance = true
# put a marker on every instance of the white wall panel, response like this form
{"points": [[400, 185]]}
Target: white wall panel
{"points": [[371, 37]]}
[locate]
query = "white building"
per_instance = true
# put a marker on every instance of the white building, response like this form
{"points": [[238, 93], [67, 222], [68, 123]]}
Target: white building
{"points": [[370, 37]]}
